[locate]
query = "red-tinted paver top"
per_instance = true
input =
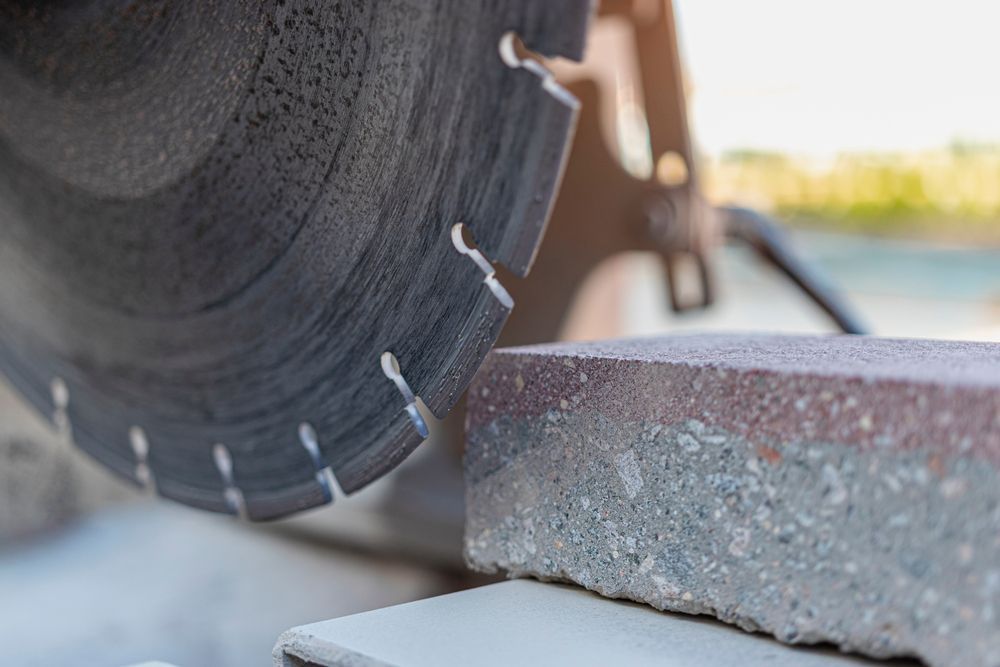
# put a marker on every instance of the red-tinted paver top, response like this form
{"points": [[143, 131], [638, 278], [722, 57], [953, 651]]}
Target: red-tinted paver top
{"points": [[861, 391]]}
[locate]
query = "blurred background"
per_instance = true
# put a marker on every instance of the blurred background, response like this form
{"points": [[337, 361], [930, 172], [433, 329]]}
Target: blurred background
{"points": [[870, 130], [873, 129]]}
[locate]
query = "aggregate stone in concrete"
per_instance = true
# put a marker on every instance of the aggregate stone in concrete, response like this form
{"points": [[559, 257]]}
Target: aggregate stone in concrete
{"points": [[820, 489]]}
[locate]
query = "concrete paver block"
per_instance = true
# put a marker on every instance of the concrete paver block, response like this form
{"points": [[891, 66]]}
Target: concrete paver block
{"points": [[820, 489]]}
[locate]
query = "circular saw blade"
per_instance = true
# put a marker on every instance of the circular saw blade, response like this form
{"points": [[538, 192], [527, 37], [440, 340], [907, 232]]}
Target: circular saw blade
{"points": [[217, 217]]}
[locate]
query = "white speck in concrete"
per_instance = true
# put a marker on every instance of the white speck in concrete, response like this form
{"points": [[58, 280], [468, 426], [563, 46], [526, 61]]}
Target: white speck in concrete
{"points": [[628, 470], [838, 492], [741, 540], [688, 442], [666, 588], [892, 483], [953, 488], [529, 536], [647, 564], [694, 426]]}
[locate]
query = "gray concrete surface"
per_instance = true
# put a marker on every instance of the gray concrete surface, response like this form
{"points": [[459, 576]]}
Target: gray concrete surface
{"points": [[819, 489], [530, 623], [152, 581]]}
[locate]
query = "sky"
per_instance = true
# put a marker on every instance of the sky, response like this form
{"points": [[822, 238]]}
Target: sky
{"points": [[820, 77]]}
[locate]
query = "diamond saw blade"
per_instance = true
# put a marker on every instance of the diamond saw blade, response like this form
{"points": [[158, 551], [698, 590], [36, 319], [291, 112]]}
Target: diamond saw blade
{"points": [[238, 239]]}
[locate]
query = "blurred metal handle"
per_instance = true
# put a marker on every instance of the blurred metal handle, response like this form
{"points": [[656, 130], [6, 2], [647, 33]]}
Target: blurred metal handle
{"points": [[769, 240]]}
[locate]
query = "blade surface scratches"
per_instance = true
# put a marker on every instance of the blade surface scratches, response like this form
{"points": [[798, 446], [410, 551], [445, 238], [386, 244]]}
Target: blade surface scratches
{"points": [[215, 218]]}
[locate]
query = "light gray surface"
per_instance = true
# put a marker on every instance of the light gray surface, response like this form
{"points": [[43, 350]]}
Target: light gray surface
{"points": [[530, 623], [154, 581]]}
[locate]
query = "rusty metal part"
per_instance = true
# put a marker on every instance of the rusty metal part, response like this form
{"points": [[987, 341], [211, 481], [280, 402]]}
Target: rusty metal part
{"points": [[216, 219], [604, 209], [680, 220]]}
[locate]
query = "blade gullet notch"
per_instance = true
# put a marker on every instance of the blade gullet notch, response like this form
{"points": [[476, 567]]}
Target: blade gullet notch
{"points": [[224, 462], [390, 366], [140, 446], [499, 291], [511, 47], [324, 474]]}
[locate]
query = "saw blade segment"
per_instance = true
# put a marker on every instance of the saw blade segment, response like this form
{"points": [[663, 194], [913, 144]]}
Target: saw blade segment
{"points": [[217, 217]]}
